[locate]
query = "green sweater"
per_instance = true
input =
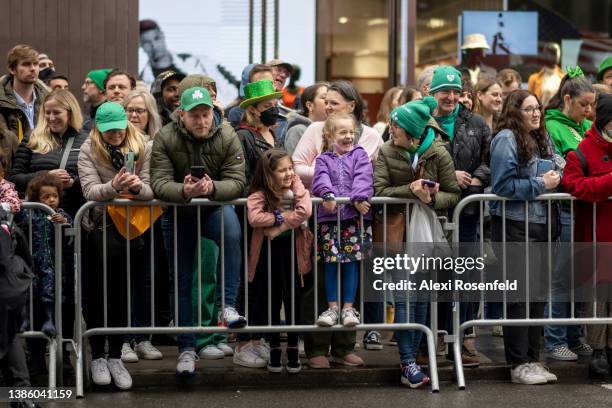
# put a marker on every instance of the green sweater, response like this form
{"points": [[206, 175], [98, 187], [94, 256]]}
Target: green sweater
{"points": [[564, 132]]}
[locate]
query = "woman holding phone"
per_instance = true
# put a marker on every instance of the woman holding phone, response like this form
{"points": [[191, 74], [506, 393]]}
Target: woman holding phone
{"points": [[103, 170]]}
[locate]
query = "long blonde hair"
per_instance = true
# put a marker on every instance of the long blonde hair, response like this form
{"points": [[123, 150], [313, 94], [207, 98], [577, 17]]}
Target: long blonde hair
{"points": [[329, 128], [133, 142], [154, 122], [41, 140]]}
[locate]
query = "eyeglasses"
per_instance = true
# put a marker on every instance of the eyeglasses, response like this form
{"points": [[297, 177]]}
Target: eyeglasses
{"points": [[532, 110], [138, 111]]}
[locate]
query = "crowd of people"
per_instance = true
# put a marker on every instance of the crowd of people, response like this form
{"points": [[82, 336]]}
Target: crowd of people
{"points": [[453, 135]]}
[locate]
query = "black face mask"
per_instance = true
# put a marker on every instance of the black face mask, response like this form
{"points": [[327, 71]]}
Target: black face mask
{"points": [[269, 117]]}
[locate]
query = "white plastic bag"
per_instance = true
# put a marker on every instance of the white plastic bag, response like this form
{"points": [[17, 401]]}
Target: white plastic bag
{"points": [[425, 231]]}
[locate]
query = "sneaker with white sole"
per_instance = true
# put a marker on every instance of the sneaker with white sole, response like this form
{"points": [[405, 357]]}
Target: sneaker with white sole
{"points": [[227, 350], [328, 318], [413, 376], [562, 353], [372, 341], [99, 372], [147, 351], [248, 357], [526, 374], [127, 354], [301, 350], [350, 317], [583, 350], [543, 371], [232, 319], [262, 349], [187, 363], [211, 352], [121, 376]]}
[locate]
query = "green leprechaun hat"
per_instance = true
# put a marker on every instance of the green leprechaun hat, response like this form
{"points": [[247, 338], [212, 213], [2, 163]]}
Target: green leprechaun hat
{"points": [[259, 91]]}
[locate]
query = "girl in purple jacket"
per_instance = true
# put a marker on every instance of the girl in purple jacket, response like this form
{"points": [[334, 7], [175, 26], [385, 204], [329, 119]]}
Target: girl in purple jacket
{"points": [[342, 170]]}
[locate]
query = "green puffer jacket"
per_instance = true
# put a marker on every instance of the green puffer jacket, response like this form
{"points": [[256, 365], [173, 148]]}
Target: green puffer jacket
{"points": [[175, 151], [394, 173]]}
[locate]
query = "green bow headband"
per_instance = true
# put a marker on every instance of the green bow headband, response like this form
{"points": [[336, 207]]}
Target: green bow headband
{"points": [[574, 72]]}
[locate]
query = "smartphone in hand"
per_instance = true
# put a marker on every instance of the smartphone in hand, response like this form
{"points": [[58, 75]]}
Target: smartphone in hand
{"points": [[428, 183], [129, 162], [198, 172]]}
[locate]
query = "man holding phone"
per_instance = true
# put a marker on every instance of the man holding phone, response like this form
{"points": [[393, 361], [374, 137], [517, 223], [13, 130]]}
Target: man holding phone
{"points": [[194, 158]]}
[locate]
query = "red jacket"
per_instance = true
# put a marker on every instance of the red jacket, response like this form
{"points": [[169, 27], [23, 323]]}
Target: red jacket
{"points": [[595, 187]]}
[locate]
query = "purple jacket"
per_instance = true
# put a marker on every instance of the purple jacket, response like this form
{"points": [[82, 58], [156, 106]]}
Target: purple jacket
{"points": [[349, 175]]}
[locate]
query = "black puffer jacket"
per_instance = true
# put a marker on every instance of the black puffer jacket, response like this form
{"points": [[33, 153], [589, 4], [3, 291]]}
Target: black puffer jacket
{"points": [[27, 164], [253, 145], [470, 146]]}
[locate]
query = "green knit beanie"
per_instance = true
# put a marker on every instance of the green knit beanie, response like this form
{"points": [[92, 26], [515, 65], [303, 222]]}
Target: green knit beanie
{"points": [[98, 76], [445, 77], [414, 116], [603, 67]]}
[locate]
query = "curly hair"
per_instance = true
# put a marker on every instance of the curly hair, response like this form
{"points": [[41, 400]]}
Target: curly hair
{"points": [[528, 141], [43, 179]]}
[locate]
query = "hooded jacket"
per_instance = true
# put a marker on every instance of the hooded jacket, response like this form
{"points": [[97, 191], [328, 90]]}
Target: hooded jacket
{"points": [[296, 126], [14, 125], [564, 132], [175, 151]]}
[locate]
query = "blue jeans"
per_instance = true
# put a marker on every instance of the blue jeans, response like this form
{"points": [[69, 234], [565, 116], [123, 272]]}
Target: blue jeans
{"points": [[350, 273], [186, 246], [408, 340], [556, 336]]}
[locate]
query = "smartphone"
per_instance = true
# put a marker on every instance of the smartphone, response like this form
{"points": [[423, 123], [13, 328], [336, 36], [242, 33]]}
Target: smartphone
{"points": [[198, 171], [129, 162], [428, 183]]}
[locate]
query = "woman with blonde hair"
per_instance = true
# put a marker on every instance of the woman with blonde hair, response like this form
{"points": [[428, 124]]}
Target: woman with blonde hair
{"points": [[142, 112], [54, 146], [389, 102], [114, 162]]}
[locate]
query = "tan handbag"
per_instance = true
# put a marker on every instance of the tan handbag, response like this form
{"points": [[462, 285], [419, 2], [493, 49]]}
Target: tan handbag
{"points": [[396, 230]]}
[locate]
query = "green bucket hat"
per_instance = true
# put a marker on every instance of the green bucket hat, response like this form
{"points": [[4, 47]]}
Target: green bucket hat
{"points": [[98, 76], [259, 91], [110, 116], [192, 97], [414, 117], [445, 77], [603, 67]]}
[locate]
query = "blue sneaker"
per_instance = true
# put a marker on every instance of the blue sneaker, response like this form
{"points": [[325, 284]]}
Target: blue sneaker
{"points": [[412, 375]]}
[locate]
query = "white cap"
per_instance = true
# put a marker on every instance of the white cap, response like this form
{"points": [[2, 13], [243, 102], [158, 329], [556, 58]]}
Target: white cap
{"points": [[473, 41]]}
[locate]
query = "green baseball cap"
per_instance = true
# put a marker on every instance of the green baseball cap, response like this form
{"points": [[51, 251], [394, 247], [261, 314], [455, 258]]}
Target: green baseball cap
{"points": [[110, 116], [603, 67], [445, 77], [98, 76], [415, 116], [192, 97]]}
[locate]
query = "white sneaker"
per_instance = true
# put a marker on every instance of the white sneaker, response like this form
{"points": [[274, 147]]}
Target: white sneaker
{"points": [[525, 374], [328, 318], [99, 372], [301, 350], [350, 317], [147, 351], [262, 349], [538, 368], [127, 354], [211, 352], [187, 363], [227, 350], [248, 357], [232, 319], [121, 376]]}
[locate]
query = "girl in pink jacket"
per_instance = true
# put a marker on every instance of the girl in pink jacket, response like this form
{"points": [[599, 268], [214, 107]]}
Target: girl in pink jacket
{"points": [[278, 205]]}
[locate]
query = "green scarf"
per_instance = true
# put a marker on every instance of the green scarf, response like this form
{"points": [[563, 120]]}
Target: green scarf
{"points": [[426, 142], [447, 123]]}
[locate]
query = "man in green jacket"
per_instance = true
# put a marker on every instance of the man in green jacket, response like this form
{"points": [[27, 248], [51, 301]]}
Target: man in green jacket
{"points": [[183, 148]]}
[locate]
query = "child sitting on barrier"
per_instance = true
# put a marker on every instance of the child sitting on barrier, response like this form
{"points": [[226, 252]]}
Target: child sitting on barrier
{"points": [[45, 188], [270, 214], [342, 170]]}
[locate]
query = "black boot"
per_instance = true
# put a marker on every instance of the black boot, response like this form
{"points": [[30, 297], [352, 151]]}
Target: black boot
{"points": [[293, 360], [274, 365], [599, 366]]}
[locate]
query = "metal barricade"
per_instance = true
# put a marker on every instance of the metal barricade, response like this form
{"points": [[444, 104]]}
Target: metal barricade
{"points": [[199, 205], [54, 343], [459, 327]]}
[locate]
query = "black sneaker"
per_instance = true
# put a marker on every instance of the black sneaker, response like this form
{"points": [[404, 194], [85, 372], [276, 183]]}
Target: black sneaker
{"points": [[372, 341], [599, 367], [293, 360], [274, 364]]}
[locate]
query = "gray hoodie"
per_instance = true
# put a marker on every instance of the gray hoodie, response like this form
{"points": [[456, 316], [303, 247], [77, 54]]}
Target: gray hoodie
{"points": [[296, 126]]}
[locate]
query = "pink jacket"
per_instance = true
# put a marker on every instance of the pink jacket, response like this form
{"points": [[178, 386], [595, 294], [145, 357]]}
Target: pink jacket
{"points": [[309, 147], [8, 196], [262, 220]]}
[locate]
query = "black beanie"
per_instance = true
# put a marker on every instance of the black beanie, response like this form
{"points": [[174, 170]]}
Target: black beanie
{"points": [[603, 114]]}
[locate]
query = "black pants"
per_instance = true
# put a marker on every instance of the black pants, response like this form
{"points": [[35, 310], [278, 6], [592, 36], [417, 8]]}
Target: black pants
{"points": [[116, 283], [522, 343], [14, 367]]}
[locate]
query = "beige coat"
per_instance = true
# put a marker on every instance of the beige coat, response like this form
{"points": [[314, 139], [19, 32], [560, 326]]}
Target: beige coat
{"points": [[96, 178]]}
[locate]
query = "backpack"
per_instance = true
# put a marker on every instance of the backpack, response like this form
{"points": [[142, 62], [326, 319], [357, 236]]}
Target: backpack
{"points": [[583, 162], [15, 263]]}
